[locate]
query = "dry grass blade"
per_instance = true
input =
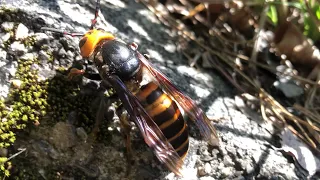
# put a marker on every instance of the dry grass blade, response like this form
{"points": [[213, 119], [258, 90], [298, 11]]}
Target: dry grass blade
{"points": [[254, 53], [271, 69], [195, 11], [302, 138], [16, 154], [307, 112], [312, 93]]}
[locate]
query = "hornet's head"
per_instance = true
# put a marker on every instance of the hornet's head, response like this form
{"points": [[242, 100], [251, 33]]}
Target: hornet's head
{"points": [[91, 40]]}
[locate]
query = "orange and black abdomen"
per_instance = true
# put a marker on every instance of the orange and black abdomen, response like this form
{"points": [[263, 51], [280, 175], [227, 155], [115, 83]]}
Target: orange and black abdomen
{"points": [[166, 114]]}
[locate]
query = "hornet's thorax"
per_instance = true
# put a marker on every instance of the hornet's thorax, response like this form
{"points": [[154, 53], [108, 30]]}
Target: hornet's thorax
{"points": [[120, 58]]}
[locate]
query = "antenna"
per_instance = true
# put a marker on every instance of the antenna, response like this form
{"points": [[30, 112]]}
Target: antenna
{"points": [[93, 23], [96, 14], [61, 31]]}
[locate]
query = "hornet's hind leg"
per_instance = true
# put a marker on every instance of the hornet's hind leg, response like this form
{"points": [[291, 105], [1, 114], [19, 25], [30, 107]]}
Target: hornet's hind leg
{"points": [[126, 128], [99, 118]]}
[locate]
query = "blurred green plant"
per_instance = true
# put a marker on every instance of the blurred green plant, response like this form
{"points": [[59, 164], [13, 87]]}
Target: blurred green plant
{"points": [[310, 11], [272, 14]]}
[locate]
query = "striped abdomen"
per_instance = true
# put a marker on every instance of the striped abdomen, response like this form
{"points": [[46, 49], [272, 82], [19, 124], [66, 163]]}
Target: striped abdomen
{"points": [[166, 114]]}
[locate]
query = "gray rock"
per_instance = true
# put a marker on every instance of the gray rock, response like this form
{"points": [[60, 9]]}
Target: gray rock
{"points": [[68, 45], [11, 68], [43, 56], [18, 47], [4, 89], [227, 161], [70, 55], [21, 32], [16, 83], [249, 168], [4, 37], [62, 53], [63, 136], [3, 56], [41, 38], [207, 178], [225, 172], [44, 148], [289, 88], [201, 171], [207, 168], [27, 56], [45, 72], [7, 26], [3, 152]]}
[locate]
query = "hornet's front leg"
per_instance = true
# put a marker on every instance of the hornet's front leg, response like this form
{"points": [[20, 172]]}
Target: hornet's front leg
{"points": [[75, 72], [81, 69]]}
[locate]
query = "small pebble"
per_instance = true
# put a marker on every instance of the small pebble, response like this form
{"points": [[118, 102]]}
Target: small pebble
{"points": [[207, 178], [16, 83], [4, 37], [207, 168], [21, 32], [249, 168], [225, 172], [3, 54], [3, 152], [201, 171], [27, 56], [62, 53], [7, 26], [18, 47]]}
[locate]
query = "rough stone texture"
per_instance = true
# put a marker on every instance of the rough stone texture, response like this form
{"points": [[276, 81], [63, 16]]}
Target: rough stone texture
{"points": [[248, 145], [62, 136]]}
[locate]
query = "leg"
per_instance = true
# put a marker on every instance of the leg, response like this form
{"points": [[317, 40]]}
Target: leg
{"points": [[125, 126], [77, 68], [75, 72], [81, 68], [96, 13], [98, 120], [92, 76]]}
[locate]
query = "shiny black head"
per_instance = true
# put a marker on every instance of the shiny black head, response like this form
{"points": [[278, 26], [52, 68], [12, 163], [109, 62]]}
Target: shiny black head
{"points": [[120, 58]]}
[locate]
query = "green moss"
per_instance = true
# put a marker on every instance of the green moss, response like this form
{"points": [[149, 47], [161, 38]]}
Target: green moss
{"points": [[29, 41], [51, 57], [24, 102]]}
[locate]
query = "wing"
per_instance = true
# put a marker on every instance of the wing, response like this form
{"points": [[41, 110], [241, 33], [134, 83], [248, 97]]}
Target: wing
{"points": [[149, 130], [191, 109]]}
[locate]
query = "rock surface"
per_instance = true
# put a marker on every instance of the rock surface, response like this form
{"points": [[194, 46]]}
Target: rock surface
{"points": [[248, 147]]}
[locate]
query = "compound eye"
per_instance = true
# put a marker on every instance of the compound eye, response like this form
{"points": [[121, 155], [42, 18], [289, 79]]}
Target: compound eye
{"points": [[100, 29], [83, 41], [89, 32]]}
